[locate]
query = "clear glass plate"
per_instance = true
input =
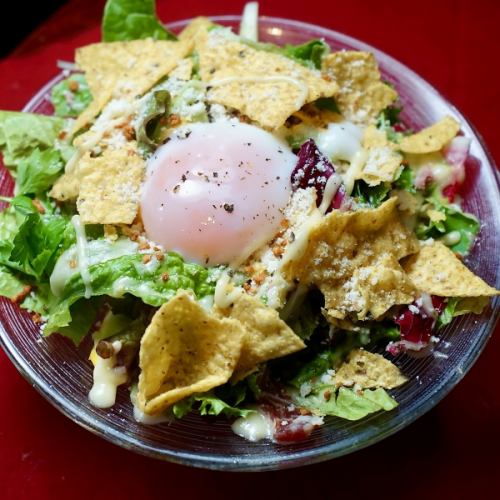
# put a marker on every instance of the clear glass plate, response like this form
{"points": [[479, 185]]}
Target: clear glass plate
{"points": [[63, 375]]}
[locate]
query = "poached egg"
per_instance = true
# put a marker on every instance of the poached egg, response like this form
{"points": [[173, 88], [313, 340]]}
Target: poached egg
{"points": [[215, 192]]}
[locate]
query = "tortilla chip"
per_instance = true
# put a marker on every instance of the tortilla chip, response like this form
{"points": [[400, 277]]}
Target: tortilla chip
{"points": [[124, 69], [353, 257], [66, 187], [109, 191], [185, 350], [362, 95], [183, 70], [430, 139], [436, 270], [267, 335], [382, 165], [196, 26], [264, 86], [368, 371]]}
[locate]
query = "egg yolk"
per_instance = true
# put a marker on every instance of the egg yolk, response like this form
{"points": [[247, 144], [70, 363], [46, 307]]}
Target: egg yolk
{"points": [[215, 192]]}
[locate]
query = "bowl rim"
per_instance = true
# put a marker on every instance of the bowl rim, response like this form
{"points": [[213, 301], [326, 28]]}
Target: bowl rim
{"points": [[305, 457]]}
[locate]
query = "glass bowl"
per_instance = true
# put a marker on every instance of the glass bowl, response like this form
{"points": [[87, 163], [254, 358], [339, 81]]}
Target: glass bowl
{"points": [[63, 375]]}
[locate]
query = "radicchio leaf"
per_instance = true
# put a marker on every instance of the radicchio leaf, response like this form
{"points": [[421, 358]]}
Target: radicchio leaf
{"points": [[313, 169], [416, 323]]}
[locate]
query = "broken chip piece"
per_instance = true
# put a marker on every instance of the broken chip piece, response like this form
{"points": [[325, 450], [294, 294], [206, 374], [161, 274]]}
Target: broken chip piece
{"points": [[353, 257], [362, 95], [264, 86], [368, 370], [436, 270], [430, 139]]}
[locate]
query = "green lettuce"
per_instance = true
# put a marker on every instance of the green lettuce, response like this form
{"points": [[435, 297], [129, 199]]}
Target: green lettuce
{"points": [[10, 285], [35, 240], [405, 180], [208, 404], [466, 225], [458, 306], [345, 402], [71, 96], [149, 127], [37, 172], [127, 274], [370, 196], [309, 54], [22, 133], [132, 20]]}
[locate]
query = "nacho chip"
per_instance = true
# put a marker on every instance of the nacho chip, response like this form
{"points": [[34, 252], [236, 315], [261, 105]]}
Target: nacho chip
{"points": [[353, 257], [368, 371], [109, 191], [430, 139], [267, 335], [436, 270], [183, 70], [185, 350], [125, 69], [362, 95], [196, 26], [382, 165], [264, 86]]}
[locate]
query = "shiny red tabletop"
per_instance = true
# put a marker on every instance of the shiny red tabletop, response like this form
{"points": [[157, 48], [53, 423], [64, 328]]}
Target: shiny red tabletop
{"points": [[451, 452]]}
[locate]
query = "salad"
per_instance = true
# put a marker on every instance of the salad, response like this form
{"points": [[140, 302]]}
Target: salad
{"points": [[241, 229]]}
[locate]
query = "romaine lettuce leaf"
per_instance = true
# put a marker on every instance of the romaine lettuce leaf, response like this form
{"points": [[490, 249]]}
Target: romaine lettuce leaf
{"points": [[310, 53], [71, 96], [10, 285], [35, 241], [128, 274], [37, 172], [22, 133], [149, 124], [405, 180], [132, 20], [458, 306], [208, 405], [370, 196], [346, 403], [465, 225]]}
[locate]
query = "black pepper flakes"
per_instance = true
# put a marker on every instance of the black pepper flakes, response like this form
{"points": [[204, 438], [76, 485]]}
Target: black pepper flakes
{"points": [[229, 207]]}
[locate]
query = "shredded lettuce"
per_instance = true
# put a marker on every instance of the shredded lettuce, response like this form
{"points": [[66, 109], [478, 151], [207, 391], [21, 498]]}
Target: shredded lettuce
{"points": [[22, 133], [71, 96], [346, 403], [132, 20]]}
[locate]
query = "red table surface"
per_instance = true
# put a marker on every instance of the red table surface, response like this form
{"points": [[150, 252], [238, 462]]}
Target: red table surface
{"points": [[452, 451]]}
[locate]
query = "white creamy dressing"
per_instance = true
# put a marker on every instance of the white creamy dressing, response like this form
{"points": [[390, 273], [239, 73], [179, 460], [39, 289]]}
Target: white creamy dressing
{"points": [[82, 253], [107, 378], [114, 114], [452, 238], [255, 427], [225, 291], [431, 164], [96, 251], [340, 141], [356, 167], [303, 89], [332, 186], [143, 418], [298, 246]]}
